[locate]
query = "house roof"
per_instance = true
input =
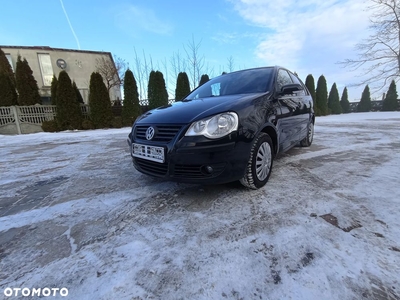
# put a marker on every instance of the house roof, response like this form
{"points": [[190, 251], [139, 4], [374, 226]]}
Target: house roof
{"points": [[54, 49]]}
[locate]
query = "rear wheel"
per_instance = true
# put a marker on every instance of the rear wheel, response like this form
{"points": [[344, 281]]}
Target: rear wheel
{"points": [[307, 141], [260, 163]]}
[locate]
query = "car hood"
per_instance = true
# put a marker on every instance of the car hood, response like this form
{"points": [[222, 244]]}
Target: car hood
{"points": [[184, 112]]}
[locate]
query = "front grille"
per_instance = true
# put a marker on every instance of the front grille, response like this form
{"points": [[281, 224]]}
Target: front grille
{"points": [[164, 133], [195, 171], [188, 171], [152, 167]]}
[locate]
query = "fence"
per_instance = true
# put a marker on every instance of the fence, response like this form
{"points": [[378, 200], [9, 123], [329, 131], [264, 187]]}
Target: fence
{"points": [[145, 102], [29, 119]]}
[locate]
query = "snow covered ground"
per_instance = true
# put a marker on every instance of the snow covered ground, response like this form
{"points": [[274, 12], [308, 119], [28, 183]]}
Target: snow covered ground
{"points": [[74, 213]]}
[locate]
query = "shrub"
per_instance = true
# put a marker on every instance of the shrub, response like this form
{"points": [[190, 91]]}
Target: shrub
{"points": [[53, 90], [204, 78], [333, 101], [116, 122], [28, 91], [8, 95], [157, 92], [365, 103], [390, 101], [50, 126], [321, 97], [87, 124], [79, 97], [310, 84], [69, 114], [131, 107], [182, 86], [99, 102], [344, 102], [6, 68]]}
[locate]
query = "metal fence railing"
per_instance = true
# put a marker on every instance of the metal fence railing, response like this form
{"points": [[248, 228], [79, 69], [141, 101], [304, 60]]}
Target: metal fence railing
{"points": [[13, 119], [27, 119], [36, 114], [145, 102], [7, 115]]}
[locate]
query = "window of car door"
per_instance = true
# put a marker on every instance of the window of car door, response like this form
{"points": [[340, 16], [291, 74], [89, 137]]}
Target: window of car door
{"points": [[289, 103], [283, 79], [298, 81]]}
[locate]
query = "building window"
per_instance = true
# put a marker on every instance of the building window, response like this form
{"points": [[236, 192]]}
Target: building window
{"points": [[10, 61], [46, 68], [46, 100]]}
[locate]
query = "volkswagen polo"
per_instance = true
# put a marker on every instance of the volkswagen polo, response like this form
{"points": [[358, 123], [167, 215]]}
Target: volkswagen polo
{"points": [[230, 128]]}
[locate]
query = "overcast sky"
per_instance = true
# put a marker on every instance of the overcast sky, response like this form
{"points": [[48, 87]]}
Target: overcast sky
{"points": [[308, 36]]}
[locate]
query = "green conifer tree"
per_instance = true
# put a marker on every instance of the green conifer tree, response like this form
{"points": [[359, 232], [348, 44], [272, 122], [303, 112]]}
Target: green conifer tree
{"points": [[157, 92], [69, 115], [365, 103], [344, 102], [204, 78], [79, 97], [99, 102], [131, 108], [6, 68], [333, 101], [321, 97], [390, 101], [8, 95], [310, 84], [182, 86], [151, 89], [28, 91], [53, 90]]}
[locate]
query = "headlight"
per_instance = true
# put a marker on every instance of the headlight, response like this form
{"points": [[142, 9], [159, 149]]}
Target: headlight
{"points": [[215, 127]]}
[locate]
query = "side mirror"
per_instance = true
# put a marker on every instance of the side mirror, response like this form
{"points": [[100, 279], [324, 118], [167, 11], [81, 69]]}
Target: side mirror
{"points": [[289, 89]]}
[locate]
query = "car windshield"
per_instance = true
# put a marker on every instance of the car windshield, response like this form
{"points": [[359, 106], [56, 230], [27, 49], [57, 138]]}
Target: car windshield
{"points": [[242, 82]]}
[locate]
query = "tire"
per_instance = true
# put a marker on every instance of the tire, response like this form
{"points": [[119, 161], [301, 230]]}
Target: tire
{"points": [[259, 166], [307, 141]]}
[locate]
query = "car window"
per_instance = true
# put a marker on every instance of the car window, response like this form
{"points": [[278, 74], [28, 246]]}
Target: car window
{"points": [[216, 89], [295, 79], [298, 81], [241, 82], [212, 90], [283, 79]]}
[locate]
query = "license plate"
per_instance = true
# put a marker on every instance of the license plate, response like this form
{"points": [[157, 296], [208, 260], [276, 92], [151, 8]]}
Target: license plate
{"points": [[148, 152]]}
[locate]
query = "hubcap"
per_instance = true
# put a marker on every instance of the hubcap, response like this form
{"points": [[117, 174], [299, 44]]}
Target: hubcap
{"points": [[263, 161]]}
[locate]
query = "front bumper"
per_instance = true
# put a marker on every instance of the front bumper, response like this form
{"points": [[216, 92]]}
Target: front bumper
{"points": [[198, 160]]}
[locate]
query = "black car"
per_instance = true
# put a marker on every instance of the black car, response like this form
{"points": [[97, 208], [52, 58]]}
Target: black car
{"points": [[230, 128]]}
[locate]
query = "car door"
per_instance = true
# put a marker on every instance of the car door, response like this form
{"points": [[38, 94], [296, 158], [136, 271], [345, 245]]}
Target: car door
{"points": [[305, 106], [291, 119]]}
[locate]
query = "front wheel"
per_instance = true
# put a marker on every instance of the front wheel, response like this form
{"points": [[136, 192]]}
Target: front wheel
{"points": [[307, 141], [260, 163]]}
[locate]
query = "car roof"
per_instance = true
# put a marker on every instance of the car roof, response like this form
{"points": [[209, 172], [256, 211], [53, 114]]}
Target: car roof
{"points": [[276, 67]]}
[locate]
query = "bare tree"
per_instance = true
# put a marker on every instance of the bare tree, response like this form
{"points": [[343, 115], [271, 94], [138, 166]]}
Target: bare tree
{"points": [[195, 61], [141, 71], [178, 64], [231, 64], [165, 70], [139, 75], [112, 71], [379, 54]]}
